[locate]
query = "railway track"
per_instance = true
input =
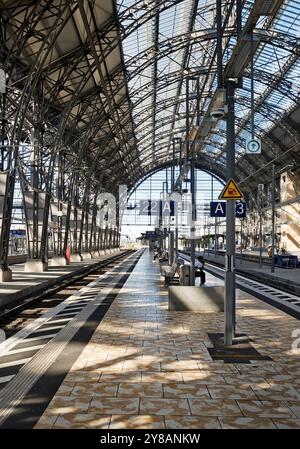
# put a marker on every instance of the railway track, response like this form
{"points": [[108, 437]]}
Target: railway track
{"points": [[35, 360], [30, 330], [281, 299], [60, 288]]}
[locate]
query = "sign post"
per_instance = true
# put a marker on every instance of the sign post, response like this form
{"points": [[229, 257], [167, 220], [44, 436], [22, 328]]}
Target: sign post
{"points": [[231, 193]]}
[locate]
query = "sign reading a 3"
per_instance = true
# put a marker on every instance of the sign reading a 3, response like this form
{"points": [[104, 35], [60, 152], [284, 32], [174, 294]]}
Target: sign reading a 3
{"points": [[218, 209]]}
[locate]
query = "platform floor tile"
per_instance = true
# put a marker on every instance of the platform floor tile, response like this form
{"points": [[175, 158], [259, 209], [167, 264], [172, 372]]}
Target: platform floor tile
{"points": [[146, 367]]}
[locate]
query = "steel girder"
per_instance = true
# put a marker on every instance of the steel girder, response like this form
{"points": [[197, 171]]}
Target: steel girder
{"points": [[61, 83], [93, 120], [206, 164], [269, 36], [173, 100], [277, 84], [267, 76], [26, 82]]}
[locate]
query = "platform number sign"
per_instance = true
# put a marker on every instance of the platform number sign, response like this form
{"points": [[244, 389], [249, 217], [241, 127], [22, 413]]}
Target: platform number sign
{"points": [[218, 209], [156, 208], [240, 209]]}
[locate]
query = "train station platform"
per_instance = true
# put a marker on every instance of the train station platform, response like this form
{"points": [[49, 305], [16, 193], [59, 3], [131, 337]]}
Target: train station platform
{"points": [[142, 366], [26, 284]]}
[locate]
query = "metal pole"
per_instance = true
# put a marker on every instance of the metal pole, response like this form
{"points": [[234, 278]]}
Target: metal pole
{"points": [[241, 243], [238, 18], [204, 235], [175, 208], [260, 238], [160, 227], [193, 242], [252, 89], [171, 247], [173, 168], [216, 244], [192, 230], [180, 156], [176, 238], [219, 43], [229, 306], [273, 219], [198, 103]]}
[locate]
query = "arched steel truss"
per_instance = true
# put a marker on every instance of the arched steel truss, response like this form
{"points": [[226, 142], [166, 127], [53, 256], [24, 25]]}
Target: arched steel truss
{"points": [[78, 117]]}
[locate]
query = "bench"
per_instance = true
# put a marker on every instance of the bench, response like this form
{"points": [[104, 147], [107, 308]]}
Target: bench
{"points": [[163, 258], [169, 272]]}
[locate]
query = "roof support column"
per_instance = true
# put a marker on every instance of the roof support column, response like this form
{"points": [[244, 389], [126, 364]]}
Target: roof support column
{"points": [[83, 231], [105, 240], [63, 211], [36, 201], [75, 256], [115, 238], [93, 229], [98, 237], [229, 305], [6, 197], [192, 159]]}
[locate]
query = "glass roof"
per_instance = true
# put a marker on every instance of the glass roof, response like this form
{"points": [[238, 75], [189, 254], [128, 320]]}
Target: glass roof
{"points": [[173, 40], [114, 82]]}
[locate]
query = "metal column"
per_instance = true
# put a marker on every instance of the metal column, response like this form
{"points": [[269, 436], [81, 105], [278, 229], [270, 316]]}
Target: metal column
{"points": [[273, 220], [193, 228], [171, 247], [241, 243], [260, 238], [229, 306], [191, 156]]}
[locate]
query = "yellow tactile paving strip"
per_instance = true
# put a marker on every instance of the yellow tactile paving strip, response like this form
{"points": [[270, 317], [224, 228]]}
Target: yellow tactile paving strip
{"points": [[146, 367]]}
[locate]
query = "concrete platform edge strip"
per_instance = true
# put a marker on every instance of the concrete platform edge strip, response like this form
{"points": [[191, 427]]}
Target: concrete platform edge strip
{"points": [[8, 344], [289, 308], [34, 325], [289, 286], [23, 382]]}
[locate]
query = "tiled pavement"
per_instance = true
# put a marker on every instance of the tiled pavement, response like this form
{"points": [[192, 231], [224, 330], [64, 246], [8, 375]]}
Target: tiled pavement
{"points": [[146, 367]]}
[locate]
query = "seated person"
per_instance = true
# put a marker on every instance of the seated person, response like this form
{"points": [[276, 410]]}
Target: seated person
{"points": [[199, 269]]}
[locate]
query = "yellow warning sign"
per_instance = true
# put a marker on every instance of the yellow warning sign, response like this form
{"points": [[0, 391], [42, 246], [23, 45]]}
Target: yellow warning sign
{"points": [[231, 191]]}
